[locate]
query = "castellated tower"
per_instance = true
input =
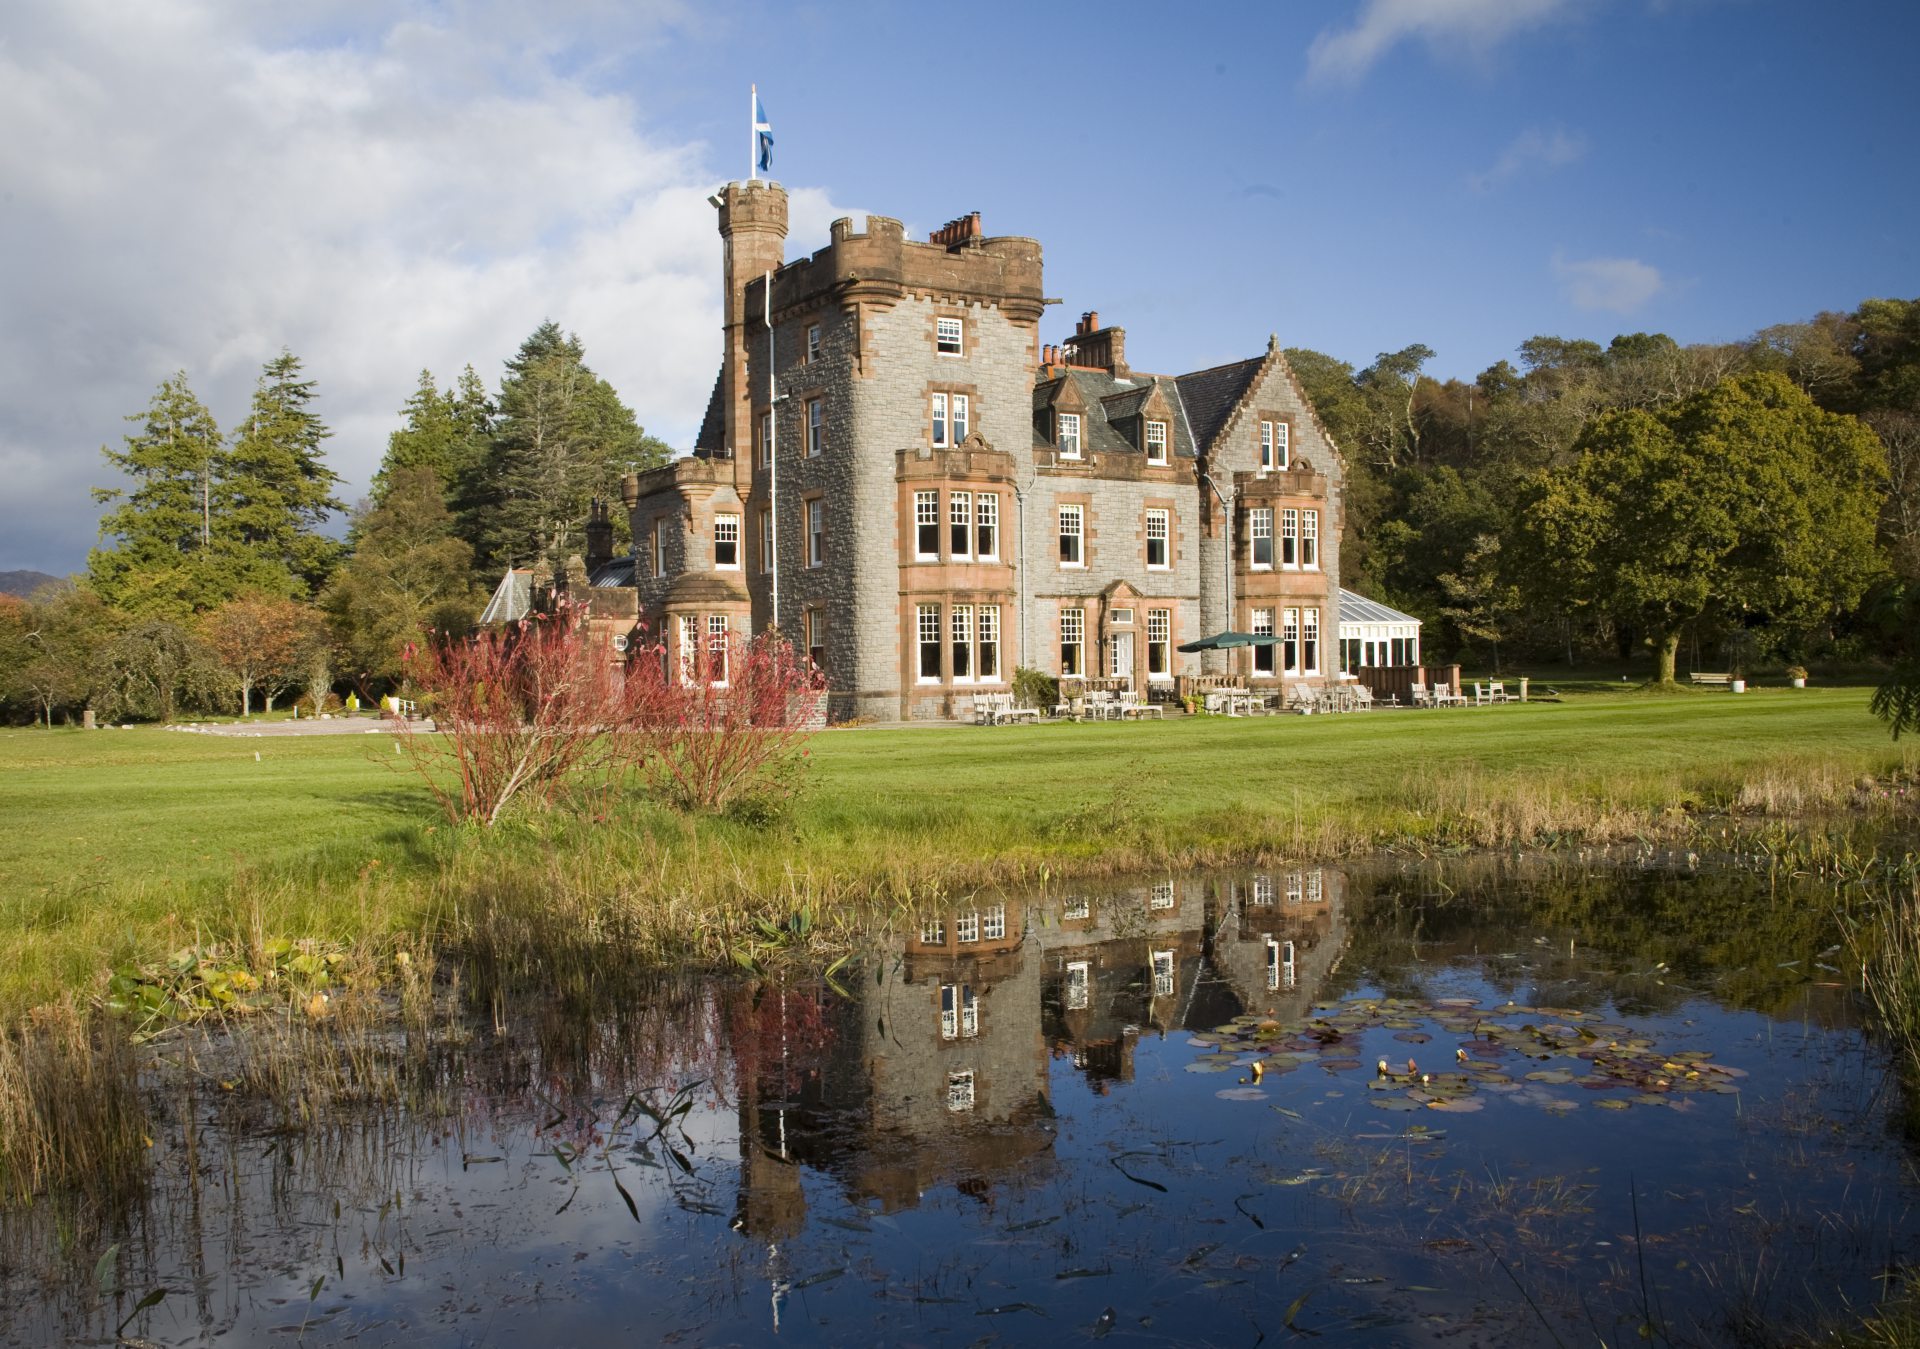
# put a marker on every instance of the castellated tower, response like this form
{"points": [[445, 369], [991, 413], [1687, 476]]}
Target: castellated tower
{"points": [[753, 224]]}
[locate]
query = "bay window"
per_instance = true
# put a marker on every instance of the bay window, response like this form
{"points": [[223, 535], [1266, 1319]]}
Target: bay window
{"points": [[960, 524], [1260, 537], [928, 624]]}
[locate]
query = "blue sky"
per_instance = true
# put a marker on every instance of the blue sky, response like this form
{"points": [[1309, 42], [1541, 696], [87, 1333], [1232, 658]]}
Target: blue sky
{"points": [[380, 187]]}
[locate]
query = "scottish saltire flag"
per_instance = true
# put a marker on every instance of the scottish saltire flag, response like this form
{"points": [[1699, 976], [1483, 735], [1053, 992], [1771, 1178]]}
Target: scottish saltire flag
{"points": [[762, 136]]}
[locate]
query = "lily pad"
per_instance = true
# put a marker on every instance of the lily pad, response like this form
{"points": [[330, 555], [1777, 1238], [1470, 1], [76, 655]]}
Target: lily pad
{"points": [[1553, 1075], [1242, 1094]]}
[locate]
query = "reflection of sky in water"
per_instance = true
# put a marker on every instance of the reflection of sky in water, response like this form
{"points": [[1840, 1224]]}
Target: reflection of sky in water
{"points": [[1085, 1178]]}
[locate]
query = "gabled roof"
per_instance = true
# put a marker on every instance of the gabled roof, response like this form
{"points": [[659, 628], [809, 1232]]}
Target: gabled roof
{"points": [[1112, 407], [1212, 395], [1359, 609], [512, 598], [713, 427]]}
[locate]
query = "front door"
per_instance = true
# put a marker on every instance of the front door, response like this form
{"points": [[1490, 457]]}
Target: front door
{"points": [[1120, 645]]}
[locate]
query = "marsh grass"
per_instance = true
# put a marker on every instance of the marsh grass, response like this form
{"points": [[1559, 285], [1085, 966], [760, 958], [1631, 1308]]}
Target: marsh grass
{"points": [[71, 1113]]}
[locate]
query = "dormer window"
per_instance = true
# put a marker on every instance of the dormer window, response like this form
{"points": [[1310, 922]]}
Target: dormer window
{"points": [[1067, 435], [949, 337], [949, 419], [1156, 442], [1273, 446]]}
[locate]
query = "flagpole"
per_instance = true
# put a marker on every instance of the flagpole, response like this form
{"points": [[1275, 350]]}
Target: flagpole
{"points": [[753, 132], [773, 442]]}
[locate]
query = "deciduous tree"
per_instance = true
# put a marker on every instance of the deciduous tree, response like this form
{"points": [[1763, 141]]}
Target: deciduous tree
{"points": [[257, 639], [1747, 501]]}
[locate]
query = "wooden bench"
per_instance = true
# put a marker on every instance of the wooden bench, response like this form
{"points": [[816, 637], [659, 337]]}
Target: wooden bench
{"points": [[997, 709], [1718, 681]]}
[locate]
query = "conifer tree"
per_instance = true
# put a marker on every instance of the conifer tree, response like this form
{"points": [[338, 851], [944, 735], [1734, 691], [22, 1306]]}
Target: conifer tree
{"points": [[165, 551], [278, 492], [562, 438], [446, 432]]}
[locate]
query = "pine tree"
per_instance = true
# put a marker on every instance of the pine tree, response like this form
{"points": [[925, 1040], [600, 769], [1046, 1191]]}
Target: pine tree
{"points": [[278, 492], [446, 432], [562, 438], [170, 555]]}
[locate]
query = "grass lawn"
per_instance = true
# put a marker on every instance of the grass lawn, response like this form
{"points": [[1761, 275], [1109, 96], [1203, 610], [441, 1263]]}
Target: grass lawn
{"points": [[120, 844]]}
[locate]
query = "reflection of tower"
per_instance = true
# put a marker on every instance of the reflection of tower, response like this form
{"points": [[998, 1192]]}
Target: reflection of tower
{"points": [[778, 1039]]}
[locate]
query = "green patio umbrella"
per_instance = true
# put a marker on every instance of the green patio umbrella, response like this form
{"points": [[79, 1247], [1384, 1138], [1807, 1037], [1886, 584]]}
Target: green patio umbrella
{"points": [[1220, 641]]}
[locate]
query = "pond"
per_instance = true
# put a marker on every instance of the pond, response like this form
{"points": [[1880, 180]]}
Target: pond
{"points": [[1517, 1104]]}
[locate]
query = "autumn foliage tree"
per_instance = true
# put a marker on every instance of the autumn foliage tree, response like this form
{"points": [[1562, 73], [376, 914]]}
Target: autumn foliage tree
{"points": [[257, 641]]}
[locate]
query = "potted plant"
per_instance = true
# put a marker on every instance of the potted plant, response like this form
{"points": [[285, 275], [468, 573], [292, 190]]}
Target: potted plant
{"points": [[1798, 674]]}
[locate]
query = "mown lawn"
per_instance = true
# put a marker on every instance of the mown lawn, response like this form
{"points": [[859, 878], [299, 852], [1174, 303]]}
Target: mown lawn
{"points": [[120, 843]]}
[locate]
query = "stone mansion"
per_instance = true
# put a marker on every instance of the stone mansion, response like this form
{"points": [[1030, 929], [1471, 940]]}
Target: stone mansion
{"points": [[896, 471]]}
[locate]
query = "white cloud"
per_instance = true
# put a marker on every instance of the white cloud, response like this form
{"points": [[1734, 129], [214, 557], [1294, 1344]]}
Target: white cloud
{"points": [[1618, 285], [1532, 148], [185, 189], [1469, 28]]}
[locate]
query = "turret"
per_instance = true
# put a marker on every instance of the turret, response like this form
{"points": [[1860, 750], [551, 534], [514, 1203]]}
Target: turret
{"points": [[753, 222]]}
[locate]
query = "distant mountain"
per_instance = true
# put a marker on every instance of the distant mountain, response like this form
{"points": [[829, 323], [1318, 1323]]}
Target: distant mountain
{"points": [[23, 582]]}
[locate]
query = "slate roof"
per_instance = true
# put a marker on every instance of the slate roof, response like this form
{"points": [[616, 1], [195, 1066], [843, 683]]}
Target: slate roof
{"points": [[1359, 609], [713, 427], [1113, 404], [1212, 395], [615, 574]]}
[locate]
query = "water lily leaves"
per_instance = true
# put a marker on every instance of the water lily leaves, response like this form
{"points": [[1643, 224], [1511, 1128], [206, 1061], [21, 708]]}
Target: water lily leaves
{"points": [[1558, 1106], [1242, 1094], [1553, 1075], [1610, 1103], [1340, 1065], [1209, 1067], [1456, 1105], [1394, 1103], [1412, 1037]]}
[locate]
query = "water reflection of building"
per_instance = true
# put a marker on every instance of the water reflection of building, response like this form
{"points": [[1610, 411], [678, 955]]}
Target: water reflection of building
{"points": [[937, 1070]]}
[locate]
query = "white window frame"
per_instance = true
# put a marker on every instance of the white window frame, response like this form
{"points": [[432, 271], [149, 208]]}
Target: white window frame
{"points": [[1262, 889], [1289, 538], [816, 531], [814, 620], [1078, 994], [813, 343], [764, 455], [726, 530], [816, 427], [1316, 886], [659, 548], [1290, 641], [1161, 896], [689, 646], [1260, 624], [1073, 525], [1296, 886], [1259, 527], [959, 1012], [926, 513], [1160, 645], [933, 932], [928, 638], [966, 928], [719, 644], [986, 525], [1073, 640], [1161, 516], [937, 407], [766, 540], [986, 666], [950, 336], [1077, 909], [1156, 442], [993, 922], [1163, 968], [1282, 446], [1310, 540], [960, 635], [960, 1091], [962, 418], [1310, 641], [960, 525], [1266, 447], [1067, 434], [1120, 618]]}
